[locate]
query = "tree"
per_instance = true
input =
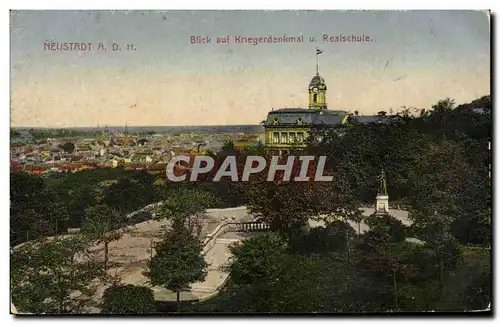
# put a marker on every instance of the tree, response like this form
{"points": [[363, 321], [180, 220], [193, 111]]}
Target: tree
{"points": [[128, 299], [29, 206], [54, 276], [323, 240], [448, 192], [253, 259], [469, 286], [303, 283], [130, 193], [393, 146], [392, 263], [388, 224], [14, 133], [31, 223], [438, 200], [358, 217], [228, 147], [287, 205], [178, 262], [57, 215], [282, 205], [323, 283], [185, 209], [101, 224], [68, 147]]}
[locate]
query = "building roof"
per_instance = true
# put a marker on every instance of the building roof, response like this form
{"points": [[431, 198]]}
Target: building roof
{"points": [[304, 117], [373, 119], [317, 79]]}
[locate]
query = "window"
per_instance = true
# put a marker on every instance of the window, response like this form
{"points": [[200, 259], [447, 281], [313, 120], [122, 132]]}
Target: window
{"points": [[276, 137], [284, 138], [292, 137], [300, 137], [315, 97]]}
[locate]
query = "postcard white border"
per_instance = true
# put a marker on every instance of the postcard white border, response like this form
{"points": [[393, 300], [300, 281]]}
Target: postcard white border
{"points": [[190, 5]]}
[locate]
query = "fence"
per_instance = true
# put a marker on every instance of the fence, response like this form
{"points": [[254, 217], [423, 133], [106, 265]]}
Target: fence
{"points": [[253, 226], [232, 226]]}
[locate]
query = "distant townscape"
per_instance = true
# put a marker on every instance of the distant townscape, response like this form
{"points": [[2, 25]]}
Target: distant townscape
{"points": [[51, 151]]}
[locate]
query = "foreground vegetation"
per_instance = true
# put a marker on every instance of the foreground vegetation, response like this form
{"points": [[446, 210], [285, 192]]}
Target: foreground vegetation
{"points": [[268, 275], [438, 169]]}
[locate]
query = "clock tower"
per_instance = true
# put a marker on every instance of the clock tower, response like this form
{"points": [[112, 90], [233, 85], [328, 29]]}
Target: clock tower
{"points": [[317, 87], [317, 93]]}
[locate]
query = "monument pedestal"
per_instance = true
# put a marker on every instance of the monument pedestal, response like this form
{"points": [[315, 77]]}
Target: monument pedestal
{"points": [[382, 205]]}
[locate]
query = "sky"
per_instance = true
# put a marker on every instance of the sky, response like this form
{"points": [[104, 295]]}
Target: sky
{"points": [[414, 59]]}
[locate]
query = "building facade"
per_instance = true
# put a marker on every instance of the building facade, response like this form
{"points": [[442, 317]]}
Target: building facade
{"points": [[290, 127]]}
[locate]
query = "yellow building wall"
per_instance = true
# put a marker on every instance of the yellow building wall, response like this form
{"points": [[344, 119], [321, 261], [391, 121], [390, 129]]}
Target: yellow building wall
{"points": [[270, 135], [305, 131], [320, 99]]}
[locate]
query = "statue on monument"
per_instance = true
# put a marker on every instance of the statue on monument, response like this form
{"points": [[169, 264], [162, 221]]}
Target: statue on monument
{"points": [[382, 183]]}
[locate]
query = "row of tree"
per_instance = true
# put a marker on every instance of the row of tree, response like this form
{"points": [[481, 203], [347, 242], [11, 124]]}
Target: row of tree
{"points": [[49, 206], [45, 207], [61, 274], [318, 272]]}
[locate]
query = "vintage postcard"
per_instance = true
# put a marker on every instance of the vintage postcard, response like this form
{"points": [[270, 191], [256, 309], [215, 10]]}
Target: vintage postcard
{"points": [[287, 161]]}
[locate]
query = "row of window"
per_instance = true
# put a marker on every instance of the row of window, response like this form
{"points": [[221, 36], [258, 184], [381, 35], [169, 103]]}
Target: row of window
{"points": [[276, 121], [287, 137]]}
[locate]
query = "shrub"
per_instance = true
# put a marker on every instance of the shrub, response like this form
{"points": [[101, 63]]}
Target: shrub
{"points": [[322, 239], [128, 299], [390, 225]]}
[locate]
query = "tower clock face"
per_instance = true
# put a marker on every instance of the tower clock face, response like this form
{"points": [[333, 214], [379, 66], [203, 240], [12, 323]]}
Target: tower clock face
{"points": [[315, 90]]}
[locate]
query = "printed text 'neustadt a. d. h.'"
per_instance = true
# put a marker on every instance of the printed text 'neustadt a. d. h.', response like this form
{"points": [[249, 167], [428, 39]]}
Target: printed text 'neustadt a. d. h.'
{"points": [[281, 39], [87, 46]]}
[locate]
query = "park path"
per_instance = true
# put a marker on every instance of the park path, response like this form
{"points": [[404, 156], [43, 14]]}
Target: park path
{"points": [[129, 255], [216, 257]]}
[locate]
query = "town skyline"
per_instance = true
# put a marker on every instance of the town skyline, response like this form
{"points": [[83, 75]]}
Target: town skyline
{"points": [[164, 80]]}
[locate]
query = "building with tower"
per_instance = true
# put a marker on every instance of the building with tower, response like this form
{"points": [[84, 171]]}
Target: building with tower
{"points": [[287, 128]]}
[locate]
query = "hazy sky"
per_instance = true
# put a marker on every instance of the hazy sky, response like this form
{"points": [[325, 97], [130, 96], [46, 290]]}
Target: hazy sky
{"points": [[415, 59]]}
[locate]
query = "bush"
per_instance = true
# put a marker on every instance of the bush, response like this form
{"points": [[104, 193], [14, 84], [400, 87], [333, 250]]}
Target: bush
{"points": [[254, 259], [472, 230], [390, 225], [128, 299], [321, 239]]}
